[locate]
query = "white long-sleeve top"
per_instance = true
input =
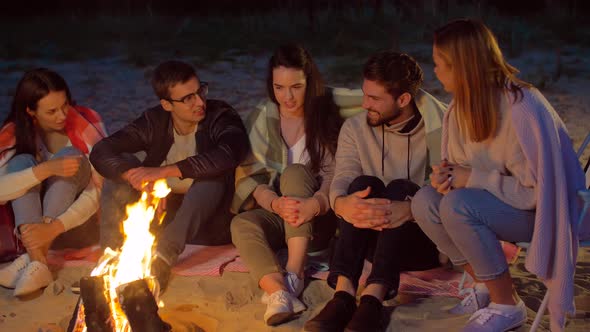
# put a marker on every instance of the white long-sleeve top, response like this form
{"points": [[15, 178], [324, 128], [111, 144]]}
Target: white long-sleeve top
{"points": [[14, 185], [498, 164]]}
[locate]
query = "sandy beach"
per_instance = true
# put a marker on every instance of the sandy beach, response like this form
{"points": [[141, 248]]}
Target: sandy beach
{"points": [[231, 302]]}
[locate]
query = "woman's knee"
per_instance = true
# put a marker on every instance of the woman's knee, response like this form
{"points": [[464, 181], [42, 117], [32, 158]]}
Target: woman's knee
{"points": [[425, 204], [298, 180], [456, 207], [20, 162], [68, 151]]}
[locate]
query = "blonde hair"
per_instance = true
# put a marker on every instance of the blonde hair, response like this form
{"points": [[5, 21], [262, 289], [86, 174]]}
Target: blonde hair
{"points": [[480, 75]]}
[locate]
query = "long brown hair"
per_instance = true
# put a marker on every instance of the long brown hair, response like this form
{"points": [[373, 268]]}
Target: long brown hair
{"points": [[33, 86], [480, 75], [321, 115]]}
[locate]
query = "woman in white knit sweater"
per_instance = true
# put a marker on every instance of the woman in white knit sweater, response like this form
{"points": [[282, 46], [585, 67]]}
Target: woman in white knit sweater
{"points": [[485, 189]]}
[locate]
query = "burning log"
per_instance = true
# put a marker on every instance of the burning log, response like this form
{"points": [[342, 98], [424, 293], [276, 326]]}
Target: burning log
{"points": [[97, 312], [122, 295], [140, 307]]}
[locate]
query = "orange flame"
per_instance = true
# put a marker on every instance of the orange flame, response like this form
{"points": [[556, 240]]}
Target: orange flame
{"points": [[133, 261]]}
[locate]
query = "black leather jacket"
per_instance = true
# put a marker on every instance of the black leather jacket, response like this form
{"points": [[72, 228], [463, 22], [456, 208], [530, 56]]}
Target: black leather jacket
{"points": [[222, 143]]}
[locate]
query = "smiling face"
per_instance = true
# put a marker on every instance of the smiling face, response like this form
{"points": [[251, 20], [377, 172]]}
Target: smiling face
{"points": [[51, 111], [189, 113], [380, 105], [443, 70], [289, 89]]}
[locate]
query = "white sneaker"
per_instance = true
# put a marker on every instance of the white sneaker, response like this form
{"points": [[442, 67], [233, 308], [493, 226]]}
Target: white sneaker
{"points": [[35, 276], [294, 286], [10, 274], [496, 318], [280, 307], [477, 298]]}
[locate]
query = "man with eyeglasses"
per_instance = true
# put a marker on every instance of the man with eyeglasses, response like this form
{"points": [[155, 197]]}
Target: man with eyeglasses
{"points": [[192, 142]]}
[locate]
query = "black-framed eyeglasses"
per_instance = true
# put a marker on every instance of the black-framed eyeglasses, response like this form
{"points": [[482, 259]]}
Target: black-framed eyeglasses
{"points": [[191, 98]]}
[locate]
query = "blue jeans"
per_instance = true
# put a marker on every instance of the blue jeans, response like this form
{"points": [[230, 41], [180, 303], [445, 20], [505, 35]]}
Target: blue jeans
{"points": [[466, 224], [53, 197]]}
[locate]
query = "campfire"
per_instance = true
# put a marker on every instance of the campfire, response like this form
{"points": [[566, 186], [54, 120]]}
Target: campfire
{"points": [[121, 295]]}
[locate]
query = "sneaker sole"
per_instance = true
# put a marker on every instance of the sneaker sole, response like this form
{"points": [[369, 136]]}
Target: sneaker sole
{"points": [[280, 318], [515, 326], [40, 290]]}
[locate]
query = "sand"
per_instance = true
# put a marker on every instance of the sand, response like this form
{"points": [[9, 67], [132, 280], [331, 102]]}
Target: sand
{"points": [[231, 303]]}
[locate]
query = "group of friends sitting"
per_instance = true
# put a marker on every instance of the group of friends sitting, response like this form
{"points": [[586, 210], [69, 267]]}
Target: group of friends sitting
{"points": [[403, 184]]}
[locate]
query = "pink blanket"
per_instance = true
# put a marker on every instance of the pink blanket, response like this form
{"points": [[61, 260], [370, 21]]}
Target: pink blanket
{"points": [[198, 260], [195, 260]]}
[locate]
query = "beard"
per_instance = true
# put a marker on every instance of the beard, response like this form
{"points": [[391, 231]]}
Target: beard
{"points": [[383, 118]]}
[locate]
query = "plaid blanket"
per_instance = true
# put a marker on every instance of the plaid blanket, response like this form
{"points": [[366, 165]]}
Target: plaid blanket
{"points": [[84, 128], [268, 157]]}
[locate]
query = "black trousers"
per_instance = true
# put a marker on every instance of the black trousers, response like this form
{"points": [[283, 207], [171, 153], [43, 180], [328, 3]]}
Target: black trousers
{"points": [[393, 250]]}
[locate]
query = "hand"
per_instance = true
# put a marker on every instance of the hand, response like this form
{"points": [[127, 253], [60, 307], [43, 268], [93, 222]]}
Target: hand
{"points": [[440, 178], [41, 235], [439, 174], [401, 212], [362, 212], [308, 209], [62, 166], [138, 176], [286, 207], [446, 177], [459, 175]]}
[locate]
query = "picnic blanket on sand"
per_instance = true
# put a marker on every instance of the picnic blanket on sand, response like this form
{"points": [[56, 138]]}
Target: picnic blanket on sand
{"points": [[198, 260]]}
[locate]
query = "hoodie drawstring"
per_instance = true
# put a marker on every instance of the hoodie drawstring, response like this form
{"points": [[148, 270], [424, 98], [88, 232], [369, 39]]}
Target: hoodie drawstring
{"points": [[408, 161], [383, 150]]}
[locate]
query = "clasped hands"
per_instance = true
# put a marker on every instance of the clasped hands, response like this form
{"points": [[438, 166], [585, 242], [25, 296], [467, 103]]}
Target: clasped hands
{"points": [[372, 213], [295, 210], [446, 177]]}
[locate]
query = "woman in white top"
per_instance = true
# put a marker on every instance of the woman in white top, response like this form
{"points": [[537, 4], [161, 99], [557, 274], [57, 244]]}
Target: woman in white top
{"points": [[499, 140], [283, 186], [45, 175]]}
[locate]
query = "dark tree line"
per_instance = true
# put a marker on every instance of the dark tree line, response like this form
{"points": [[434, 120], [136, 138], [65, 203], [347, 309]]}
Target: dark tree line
{"points": [[237, 7]]}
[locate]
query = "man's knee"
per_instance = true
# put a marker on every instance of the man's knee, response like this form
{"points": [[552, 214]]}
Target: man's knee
{"points": [[399, 189], [207, 190], [364, 181]]}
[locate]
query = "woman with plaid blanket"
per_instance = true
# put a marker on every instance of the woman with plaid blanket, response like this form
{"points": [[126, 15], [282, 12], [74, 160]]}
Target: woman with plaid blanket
{"points": [[46, 176], [283, 185]]}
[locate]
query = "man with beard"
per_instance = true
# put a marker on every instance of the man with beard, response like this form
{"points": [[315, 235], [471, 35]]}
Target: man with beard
{"points": [[195, 144], [383, 158]]}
